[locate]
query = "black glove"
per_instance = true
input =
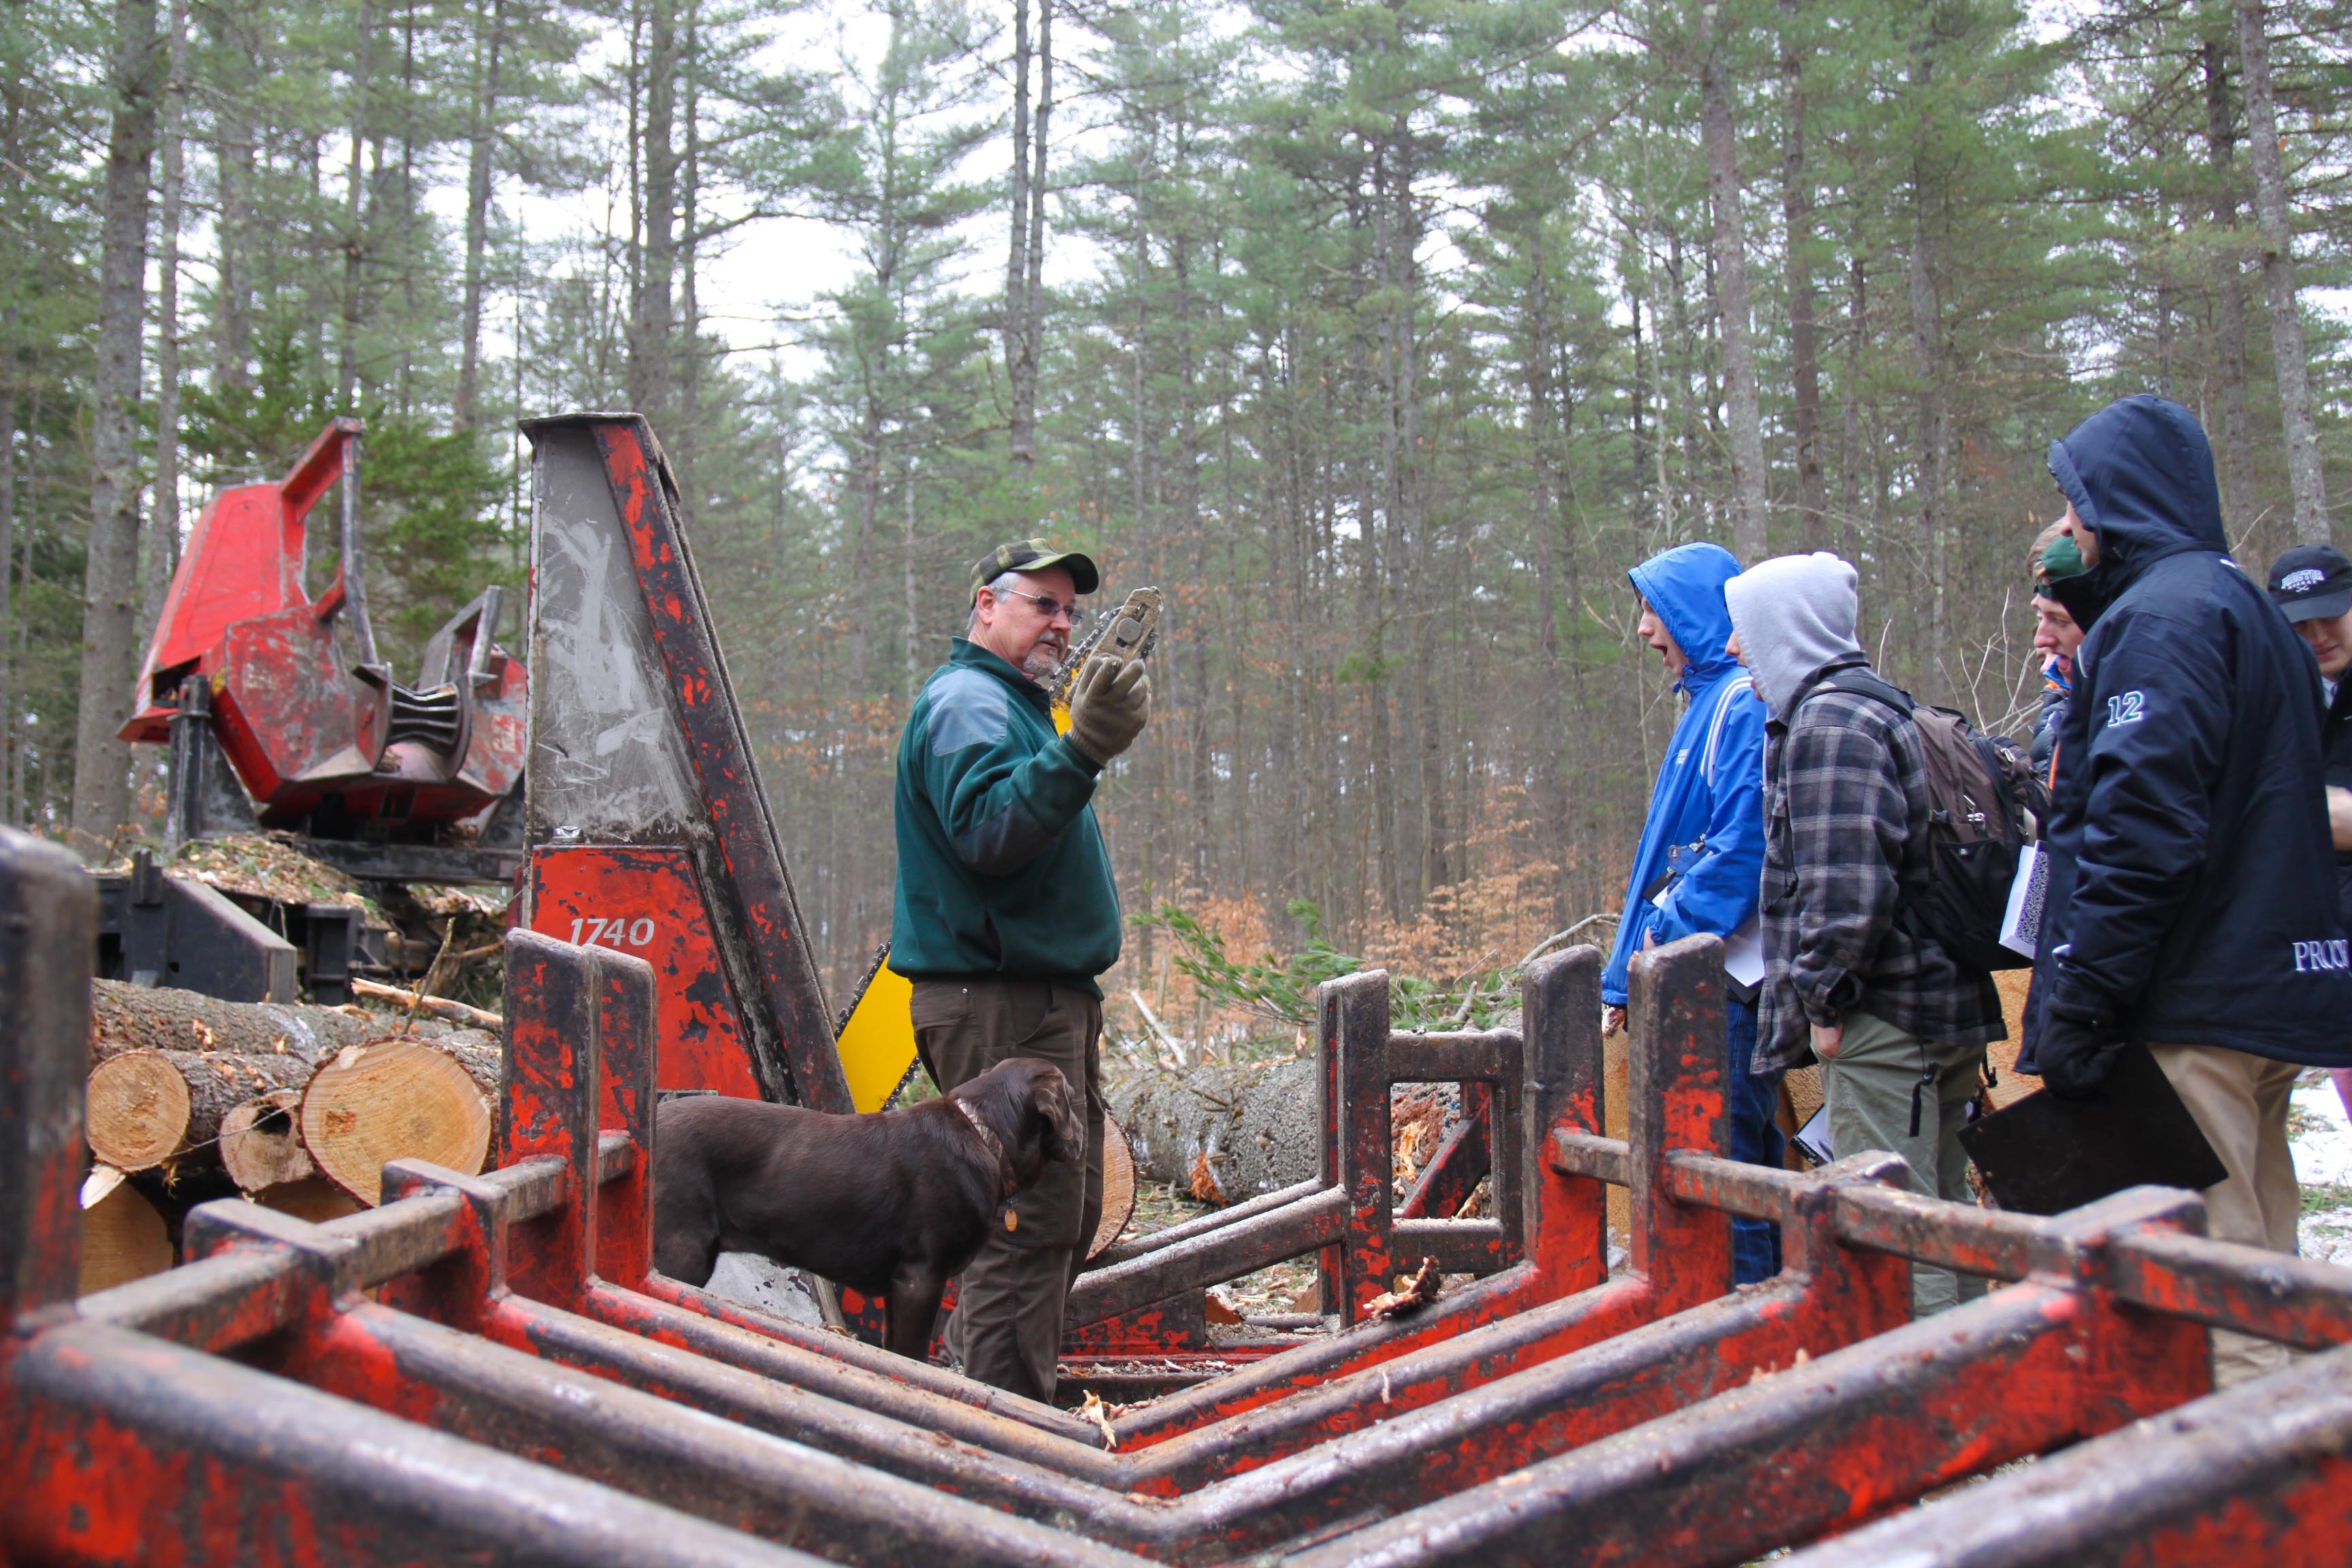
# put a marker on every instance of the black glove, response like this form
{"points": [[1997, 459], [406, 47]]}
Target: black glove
{"points": [[2076, 1048]]}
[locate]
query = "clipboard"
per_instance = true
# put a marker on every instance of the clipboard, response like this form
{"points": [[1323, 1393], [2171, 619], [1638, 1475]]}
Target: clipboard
{"points": [[2044, 1156]]}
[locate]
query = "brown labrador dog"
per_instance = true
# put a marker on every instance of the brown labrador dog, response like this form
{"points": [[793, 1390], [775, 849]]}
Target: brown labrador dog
{"points": [[893, 1204]]}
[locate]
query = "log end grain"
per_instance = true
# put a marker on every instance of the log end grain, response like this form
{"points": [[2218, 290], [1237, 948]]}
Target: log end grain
{"points": [[138, 1110], [394, 1099], [1119, 1188], [260, 1145], [122, 1239], [313, 1199]]}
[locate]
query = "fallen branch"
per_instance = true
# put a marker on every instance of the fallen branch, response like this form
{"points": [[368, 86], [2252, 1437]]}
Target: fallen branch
{"points": [[439, 1006]]}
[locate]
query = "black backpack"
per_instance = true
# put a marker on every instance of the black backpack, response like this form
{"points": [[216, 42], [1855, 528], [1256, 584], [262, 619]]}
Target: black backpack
{"points": [[1985, 801]]}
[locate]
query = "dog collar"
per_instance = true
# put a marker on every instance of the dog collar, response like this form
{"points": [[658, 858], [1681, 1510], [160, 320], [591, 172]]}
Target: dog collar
{"points": [[1006, 1186]]}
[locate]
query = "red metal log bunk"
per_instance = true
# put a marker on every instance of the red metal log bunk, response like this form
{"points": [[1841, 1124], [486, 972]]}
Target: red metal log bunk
{"points": [[521, 1389]]}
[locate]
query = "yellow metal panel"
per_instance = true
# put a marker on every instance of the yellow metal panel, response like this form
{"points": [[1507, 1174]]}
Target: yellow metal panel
{"points": [[877, 1044]]}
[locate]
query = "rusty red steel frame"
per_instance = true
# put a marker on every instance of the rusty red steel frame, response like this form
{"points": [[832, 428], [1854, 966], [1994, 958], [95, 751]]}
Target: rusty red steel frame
{"points": [[499, 1400], [648, 832]]}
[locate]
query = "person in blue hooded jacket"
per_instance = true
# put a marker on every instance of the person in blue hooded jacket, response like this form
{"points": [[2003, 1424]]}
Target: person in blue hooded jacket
{"points": [[1700, 864], [2192, 901]]}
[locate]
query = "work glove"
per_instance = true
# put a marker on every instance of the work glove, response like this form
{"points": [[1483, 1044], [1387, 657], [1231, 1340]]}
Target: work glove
{"points": [[1109, 707], [2076, 1048]]}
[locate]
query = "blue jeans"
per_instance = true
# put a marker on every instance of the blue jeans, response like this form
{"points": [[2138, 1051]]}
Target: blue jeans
{"points": [[1749, 1101]]}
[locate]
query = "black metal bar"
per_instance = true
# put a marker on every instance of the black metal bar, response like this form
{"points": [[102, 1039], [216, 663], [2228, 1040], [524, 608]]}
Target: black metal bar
{"points": [[1722, 1481], [1562, 1230], [1676, 1094], [2270, 1295], [699, 1463], [1460, 1246], [1593, 1154], [1227, 1253], [2257, 1475], [49, 926], [1160, 1240], [117, 1447], [1478, 1056]]}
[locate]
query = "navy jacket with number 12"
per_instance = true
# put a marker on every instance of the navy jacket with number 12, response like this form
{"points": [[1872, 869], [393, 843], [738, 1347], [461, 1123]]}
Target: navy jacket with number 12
{"points": [[2192, 888]]}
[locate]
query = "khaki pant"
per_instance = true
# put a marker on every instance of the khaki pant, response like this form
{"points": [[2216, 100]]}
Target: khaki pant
{"points": [[1868, 1086], [2239, 1102], [1007, 1325]]}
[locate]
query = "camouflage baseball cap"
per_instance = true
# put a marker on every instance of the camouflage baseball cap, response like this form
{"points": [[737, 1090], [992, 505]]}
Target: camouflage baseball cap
{"points": [[1033, 555]]}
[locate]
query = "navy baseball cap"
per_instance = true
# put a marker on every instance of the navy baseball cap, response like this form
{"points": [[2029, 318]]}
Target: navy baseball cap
{"points": [[2312, 583]]}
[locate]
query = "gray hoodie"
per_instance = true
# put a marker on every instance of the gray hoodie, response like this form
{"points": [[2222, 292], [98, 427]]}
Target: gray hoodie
{"points": [[1794, 615]]}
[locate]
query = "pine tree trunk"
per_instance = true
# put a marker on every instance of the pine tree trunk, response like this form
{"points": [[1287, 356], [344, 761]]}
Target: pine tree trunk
{"points": [[1551, 795], [1032, 292], [685, 443], [479, 178], [233, 176], [7, 562], [1804, 350], [1934, 405], [2293, 371], [1020, 347], [163, 547], [653, 374], [347, 359], [101, 795], [1743, 412], [2229, 288]]}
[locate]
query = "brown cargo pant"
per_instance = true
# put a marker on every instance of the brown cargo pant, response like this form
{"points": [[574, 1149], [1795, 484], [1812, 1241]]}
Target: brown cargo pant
{"points": [[1007, 1324]]}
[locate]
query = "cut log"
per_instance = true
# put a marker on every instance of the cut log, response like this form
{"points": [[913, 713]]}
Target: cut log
{"points": [[147, 1107], [399, 1098], [1253, 1123], [134, 1018], [313, 1199], [1119, 1188], [122, 1239], [260, 1146]]}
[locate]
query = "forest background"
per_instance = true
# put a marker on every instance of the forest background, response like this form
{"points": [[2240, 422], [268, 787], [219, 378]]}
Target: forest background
{"points": [[1384, 336]]}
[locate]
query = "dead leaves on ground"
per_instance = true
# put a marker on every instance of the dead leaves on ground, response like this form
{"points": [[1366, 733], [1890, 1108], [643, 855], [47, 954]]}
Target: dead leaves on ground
{"points": [[1100, 1414], [1411, 1294]]}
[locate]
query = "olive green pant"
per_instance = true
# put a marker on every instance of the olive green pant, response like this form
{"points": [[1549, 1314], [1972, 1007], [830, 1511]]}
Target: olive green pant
{"points": [[1007, 1325], [1868, 1086]]}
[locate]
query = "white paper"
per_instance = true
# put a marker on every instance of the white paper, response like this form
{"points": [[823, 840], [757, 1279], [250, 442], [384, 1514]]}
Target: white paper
{"points": [[1813, 1140], [1743, 952], [2021, 923]]}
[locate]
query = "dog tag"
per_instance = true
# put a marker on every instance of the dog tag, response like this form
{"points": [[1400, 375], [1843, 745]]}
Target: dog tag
{"points": [[1012, 1220]]}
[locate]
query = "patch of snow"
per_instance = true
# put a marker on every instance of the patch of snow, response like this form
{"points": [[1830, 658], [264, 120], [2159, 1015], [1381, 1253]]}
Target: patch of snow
{"points": [[753, 1280], [2323, 1154]]}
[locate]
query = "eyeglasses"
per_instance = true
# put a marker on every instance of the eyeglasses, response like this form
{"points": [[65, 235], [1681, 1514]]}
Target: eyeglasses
{"points": [[1049, 606]]}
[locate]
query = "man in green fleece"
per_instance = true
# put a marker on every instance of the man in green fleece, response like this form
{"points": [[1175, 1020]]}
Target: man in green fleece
{"points": [[1006, 913]]}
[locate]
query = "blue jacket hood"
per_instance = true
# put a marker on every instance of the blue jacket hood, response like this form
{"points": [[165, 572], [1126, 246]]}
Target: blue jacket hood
{"points": [[2140, 473], [1684, 586]]}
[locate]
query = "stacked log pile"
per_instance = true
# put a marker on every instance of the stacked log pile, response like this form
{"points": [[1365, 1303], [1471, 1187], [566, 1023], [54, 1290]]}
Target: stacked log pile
{"points": [[295, 1106]]}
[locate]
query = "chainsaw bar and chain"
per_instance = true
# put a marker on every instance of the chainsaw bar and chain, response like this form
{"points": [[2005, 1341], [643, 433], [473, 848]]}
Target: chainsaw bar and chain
{"points": [[1131, 632]]}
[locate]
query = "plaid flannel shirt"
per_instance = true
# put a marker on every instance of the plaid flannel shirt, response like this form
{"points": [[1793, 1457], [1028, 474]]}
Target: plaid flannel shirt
{"points": [[1845, 830]]}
